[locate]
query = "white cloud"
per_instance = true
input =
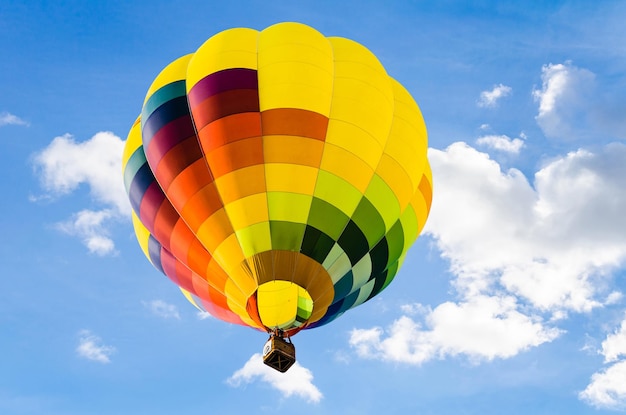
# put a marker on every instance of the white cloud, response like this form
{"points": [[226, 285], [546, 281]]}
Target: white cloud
{"points": [[297, 381], [487, 327], [614, 346], [565, 99], [162, 309], [415, 309], [490, 99], [553, 245], [7, 118], [89, 227], [90, 347], [607, 389], [65, 165], [614, 297], [483, 328], [501, 142], [574, 104], [203, 315]]}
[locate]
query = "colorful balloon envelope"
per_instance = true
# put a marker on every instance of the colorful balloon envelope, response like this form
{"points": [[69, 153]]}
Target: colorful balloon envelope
{"points": [[278, 177]]}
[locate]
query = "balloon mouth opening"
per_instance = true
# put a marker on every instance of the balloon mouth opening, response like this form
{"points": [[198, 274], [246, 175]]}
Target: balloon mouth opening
{"points": [[283, 305]]}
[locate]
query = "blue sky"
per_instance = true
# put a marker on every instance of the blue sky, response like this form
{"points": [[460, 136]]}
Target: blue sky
{"points": [[510, 302]]}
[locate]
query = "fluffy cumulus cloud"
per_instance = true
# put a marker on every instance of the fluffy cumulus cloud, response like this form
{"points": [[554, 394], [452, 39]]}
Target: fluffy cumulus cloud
{"points": [[6, 118], [574, 104], [90, 347], [566, 98], [607, 388], [489, 99], [482, 328], [162, 309], [553, 243], [65, 165], [502, 143], [523, 255], [297, 381], [614, 347], [90, 227]]}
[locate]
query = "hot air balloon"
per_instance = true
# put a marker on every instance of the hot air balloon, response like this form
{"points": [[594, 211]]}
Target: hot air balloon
{"points": [[278, 177]]}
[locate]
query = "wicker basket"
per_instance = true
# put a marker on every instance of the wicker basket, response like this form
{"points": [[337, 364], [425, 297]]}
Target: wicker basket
{"points": [[279, 354]]}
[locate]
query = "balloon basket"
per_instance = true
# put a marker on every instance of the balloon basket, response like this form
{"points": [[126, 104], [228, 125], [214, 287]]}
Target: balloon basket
{"points": [[279, 354]]}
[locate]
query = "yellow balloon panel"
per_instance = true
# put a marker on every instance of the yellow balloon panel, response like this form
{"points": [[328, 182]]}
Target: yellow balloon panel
{"points": [[362, 90], [397, 179], [233, 48], [293, 178], [228, 253], [282, 303], [346, 50], [214, 230], [295, 69], [354, 140], [345, 164], [403, 154], [232, 292], [406, 109], [241, 183], [408, 140], [248, 211], [362, 105]]}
